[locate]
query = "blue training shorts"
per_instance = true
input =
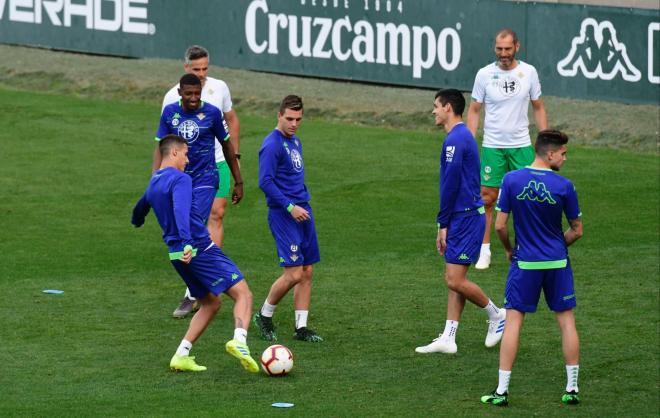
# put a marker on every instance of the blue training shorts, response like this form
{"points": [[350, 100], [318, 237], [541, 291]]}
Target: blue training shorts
{"points": [[523, 288], [210, 271], [295, 241], [203, 197], [464, 235]]}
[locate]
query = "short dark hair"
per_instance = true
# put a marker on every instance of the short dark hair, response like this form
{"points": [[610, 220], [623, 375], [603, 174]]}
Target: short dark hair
{"points": [[292, 102], [507, 32], [549, 140], [189, 79], [195, 52], [454, 98], [170, 141]]}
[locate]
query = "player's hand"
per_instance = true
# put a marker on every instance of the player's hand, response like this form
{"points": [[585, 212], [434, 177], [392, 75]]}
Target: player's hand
{"points": [[187, 254], [237, 194], [137, 220], [441, 241], [300, 214]]}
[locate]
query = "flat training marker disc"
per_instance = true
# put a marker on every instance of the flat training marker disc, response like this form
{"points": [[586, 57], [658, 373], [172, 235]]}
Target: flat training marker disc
{"points": [[53, 291], [282, 405]]}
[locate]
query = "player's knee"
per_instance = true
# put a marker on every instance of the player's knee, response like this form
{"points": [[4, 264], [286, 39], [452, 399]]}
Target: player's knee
{"points": [[213, 303], [453, 282], [295, 275], [217, 213]]}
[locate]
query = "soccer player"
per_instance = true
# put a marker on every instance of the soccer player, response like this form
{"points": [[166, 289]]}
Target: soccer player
{"points": [[282, 179], [460, 223], [215, 92], [200, 123], [537, 197], [505, 88], [202, 265]]}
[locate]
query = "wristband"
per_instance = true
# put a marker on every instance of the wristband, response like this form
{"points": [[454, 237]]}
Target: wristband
{"points": [[290, 207]]}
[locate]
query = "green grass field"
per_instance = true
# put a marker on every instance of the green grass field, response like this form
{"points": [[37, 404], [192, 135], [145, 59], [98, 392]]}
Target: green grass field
{"points": [[72, 167]]}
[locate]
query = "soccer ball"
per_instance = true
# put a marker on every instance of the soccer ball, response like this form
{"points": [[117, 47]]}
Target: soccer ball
{"points": [[277, 360]]}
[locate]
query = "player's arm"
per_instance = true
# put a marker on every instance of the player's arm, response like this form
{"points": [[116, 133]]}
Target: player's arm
{"points": [[163, 129], [574, 231], [502, 230], [221, 132], [140, 211], [450, 183], [268, 156], [540, 115], [234, 130], [474, 113], [182, 205]]}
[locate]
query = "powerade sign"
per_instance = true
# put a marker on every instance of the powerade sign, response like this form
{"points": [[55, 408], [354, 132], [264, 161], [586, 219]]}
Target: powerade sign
{"points": [[128, 16], [579, 51]]}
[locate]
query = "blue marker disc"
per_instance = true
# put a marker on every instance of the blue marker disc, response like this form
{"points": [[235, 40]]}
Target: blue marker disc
{"points": [[282, 405]]}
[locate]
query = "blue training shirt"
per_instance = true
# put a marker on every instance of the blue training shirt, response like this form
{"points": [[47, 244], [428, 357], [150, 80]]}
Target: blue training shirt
{"points": [[282, 171], [170, 195], [460, 187], [199, 128], [538, 198]]}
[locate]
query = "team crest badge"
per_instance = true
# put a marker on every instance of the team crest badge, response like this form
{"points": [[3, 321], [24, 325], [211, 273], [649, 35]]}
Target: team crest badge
{"points": [[201, 116]]}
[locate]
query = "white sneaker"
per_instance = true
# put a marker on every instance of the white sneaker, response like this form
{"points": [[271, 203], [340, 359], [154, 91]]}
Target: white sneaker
{"points": [[484, 261], [495, 329], [438, 345]]}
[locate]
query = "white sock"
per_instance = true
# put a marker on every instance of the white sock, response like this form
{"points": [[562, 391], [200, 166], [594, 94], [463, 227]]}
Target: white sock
{"points": [[184, 348], [503, 383], [267, 309], [492, 310], [572, 377], [450, 330], [188, 295], [240, 335], [485, 248], [301, 319]]}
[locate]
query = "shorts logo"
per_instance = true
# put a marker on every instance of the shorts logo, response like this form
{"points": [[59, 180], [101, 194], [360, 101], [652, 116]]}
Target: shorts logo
{"points": [[509, 86], [569, 297], [463, 257], [294, 248], [234, 276], [293, 257], [189, 130], [597, 53], [449, 153], [536, 192], [296, 160], [217, 282], [487, 169]]}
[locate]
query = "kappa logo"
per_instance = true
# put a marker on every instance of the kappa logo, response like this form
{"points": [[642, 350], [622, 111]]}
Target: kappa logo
{"points": [[449, 153], [536, 192], [189, 130], [234, 276], [463, 256], [597, 53]]}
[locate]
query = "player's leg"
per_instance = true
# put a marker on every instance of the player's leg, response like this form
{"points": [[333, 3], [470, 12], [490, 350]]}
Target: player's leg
{"points": [[302, 292], [493, 168], [216, 218], [237, 346], [302, 295], [182, 361], [216, 221], [560, 296], [263, 319], [508, 353]]}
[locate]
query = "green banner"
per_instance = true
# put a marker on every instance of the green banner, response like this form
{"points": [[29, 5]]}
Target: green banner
{"points": [[579, 51]]}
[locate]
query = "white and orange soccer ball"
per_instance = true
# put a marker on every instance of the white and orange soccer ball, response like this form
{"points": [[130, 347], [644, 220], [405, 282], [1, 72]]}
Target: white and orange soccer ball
{"points": [[277, 360]]}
